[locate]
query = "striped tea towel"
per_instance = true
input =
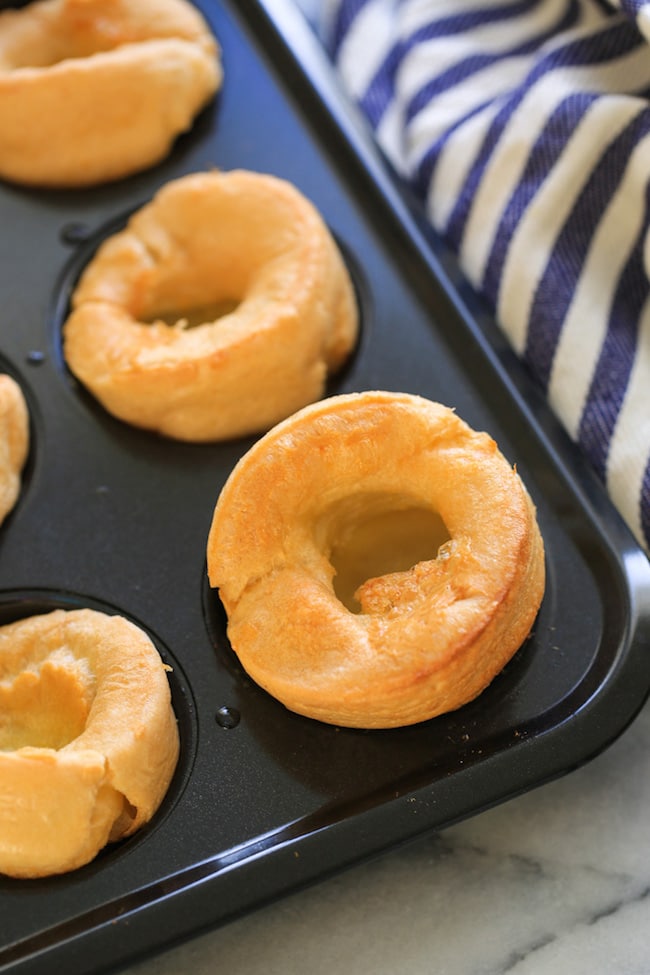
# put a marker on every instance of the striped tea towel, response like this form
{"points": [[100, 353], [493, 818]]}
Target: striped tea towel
{"points": [[524, 125]]}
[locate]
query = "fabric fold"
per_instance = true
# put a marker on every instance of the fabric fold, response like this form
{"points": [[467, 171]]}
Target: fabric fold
{"points": [[524, 127]]}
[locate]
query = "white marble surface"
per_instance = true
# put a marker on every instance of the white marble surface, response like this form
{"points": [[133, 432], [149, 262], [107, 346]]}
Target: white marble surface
{"points": [[555, 882]]}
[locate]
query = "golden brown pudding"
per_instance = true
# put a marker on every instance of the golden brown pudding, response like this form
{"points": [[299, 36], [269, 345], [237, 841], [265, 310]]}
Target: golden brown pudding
{"points": [[94, 90], [88, 738], [378, 560], [14, 442], [219, 310]]}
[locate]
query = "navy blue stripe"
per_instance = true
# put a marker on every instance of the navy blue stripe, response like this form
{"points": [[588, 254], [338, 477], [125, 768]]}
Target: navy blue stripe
{"points": [[479, 62], [556, 287], [381, 90], [632, 7], [616, 358], [546, 151], [423, 173], [612, 42], [346, 14], [616, 36], [421, 177], [468, 21]]}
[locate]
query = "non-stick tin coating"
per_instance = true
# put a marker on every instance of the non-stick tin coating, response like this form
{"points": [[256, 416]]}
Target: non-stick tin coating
{"points": [[115, 518]]}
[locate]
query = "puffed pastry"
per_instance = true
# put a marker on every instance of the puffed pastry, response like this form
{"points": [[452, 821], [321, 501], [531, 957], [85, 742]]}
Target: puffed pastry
{"points": [[14, 442], [220, 309], [88, 738], [428, 624], [95, 90]]}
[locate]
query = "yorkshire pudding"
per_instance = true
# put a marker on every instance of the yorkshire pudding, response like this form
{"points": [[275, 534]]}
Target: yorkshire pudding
{"points": [[94, 90], [88, 738], [248, 258], [14, 442], [437, 621]]}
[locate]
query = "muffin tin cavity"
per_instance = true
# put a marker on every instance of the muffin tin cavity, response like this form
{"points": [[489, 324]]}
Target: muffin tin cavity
{"points": [[264, 800], [82, 240]]}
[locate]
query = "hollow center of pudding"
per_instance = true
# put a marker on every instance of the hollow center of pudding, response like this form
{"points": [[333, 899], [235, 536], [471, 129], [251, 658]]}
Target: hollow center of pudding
{"points": [[46, 704], [194, 315], [379, 541]]}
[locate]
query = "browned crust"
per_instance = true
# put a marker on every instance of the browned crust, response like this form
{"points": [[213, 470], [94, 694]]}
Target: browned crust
{"points": [[94, 90], [209, 238], [62, 800], [428, 640], [14, 442]]}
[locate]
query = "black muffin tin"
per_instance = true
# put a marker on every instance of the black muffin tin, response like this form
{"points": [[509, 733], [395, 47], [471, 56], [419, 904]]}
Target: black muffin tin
{"points": [[115, 518]]}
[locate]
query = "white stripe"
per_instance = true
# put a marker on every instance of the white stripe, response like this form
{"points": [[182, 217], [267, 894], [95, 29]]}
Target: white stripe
{"points": [[311, 9], [585, 325], [454, 163], [630, 445], [444, 110], [326, 17], [505, 167], [428, 59], [390, 136], [418, 13], [366, 45], [538, 229], [643, 20]]}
